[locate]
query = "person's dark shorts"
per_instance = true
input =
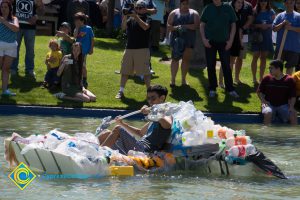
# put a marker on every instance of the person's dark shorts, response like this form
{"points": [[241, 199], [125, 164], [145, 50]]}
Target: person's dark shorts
{"points": [[127, 142], [291, 58], [165, 20]]}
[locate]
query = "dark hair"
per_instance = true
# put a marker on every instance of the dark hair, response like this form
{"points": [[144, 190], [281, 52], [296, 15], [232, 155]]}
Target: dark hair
{"points": [[277, 64], [77, 72], [10, 14], [81, 16], [233, 4], [257, 8], [160, 90]]}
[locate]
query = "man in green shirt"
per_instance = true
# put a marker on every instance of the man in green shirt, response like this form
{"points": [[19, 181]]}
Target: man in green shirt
{"points": [[217, 29]]}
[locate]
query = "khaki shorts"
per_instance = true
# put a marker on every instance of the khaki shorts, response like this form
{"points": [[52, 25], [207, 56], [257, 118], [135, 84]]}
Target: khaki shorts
{"points": [[136, 61]]}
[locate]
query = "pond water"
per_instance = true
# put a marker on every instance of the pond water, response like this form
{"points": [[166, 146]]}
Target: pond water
{"points": [[280, 143]]}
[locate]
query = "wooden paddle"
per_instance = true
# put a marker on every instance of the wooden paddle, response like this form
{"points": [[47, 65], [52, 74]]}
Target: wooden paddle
{"points": [[282, 44]]}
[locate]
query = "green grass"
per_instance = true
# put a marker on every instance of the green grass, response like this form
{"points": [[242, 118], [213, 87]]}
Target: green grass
{"points": [[105, 83]]}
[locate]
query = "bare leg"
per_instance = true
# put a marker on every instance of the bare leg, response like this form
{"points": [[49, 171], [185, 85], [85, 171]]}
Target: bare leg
{"points": [[6, 62], [147, 80], [254, 65], [238, 67], [124, 79], [267, 118], [263, 61], [185, 64], [88, 93], [174, 70], [111, 138], [293, 118]]}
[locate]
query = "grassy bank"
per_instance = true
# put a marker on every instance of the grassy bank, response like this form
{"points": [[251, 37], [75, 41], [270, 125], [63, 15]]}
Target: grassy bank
{"points": [[105, 83]]}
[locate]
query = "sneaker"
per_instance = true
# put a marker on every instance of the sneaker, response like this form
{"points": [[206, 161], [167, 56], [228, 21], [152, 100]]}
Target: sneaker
{"points": [[165, 42], [120, 95], [234, 94], [30, 74], [212, 93], [8, 93], [60, 95], [152, 72]]}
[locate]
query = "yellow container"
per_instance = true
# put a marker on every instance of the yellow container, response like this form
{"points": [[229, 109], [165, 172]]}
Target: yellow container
{"points": [[121, 170], [210, 133]]}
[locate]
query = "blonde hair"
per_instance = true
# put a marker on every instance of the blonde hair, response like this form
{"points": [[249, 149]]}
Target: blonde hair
{"points": [[54, 41]]}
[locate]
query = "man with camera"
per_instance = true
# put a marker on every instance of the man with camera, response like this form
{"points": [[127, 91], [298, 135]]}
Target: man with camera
{"points": [[136, 57]]}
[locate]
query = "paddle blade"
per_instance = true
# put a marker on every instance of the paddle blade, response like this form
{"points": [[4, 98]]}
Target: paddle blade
{"points": [[104, 125]]}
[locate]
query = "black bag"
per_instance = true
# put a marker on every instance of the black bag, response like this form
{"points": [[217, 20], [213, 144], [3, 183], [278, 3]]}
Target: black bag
{"points": [[257, 36]]}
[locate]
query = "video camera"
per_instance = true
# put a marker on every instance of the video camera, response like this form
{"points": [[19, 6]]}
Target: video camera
{"points": [[129, 9]]}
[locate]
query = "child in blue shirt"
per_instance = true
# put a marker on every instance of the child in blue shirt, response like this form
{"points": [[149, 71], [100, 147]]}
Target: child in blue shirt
{"points": [[84, 34]]}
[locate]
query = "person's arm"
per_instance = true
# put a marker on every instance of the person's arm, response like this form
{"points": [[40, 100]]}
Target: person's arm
{"points": [[40, 8], [124, 22], [231, 36], [170, 22], [12, 26], [144, 25], [196, 22], [202, 33], [289, 27], [62, 65], [65, 36], [92, 46], [165, 122], [262, 99], [277, 25], [131, 129], [152, 10], [291, 103]]}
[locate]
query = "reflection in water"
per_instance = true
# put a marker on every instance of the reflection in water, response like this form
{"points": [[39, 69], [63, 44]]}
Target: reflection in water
{"points": [[280, 143]]}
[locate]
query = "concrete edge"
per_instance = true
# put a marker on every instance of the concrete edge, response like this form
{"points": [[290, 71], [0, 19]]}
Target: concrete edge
{"points": [[6, 110]]}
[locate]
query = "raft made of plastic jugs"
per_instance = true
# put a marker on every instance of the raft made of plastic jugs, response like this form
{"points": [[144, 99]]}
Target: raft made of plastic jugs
{"points": [[121, 170]]}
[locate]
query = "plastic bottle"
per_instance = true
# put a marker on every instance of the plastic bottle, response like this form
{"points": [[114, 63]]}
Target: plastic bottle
{"points": [[222, 133], [136, 154], [241, 151], [238, 140], [192, 138], [222, 144]]}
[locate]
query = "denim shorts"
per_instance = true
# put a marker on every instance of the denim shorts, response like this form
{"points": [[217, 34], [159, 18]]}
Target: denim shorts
{"points": [[281, 112]]}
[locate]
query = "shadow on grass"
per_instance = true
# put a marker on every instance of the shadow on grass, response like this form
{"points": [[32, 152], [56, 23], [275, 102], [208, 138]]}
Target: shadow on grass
{"points": [[24, 83], [185, 93], [119, 45], [138, 80], [133, 103], [7, 100]]}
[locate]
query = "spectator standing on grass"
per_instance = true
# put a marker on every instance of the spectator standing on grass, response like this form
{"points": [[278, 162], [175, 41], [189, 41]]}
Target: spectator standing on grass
{"points": [[9, 25], [182, 23], [156, 21], [136, 56], [264, 17], [217, 30], [169, 7], [277, 94], [27, 12], [71, 70], [288, 20], [85, 35], [238, 51]]}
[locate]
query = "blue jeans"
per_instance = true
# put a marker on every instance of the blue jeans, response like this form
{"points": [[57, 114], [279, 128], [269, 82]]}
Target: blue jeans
{"points": [[29, 39], [211, 56]]}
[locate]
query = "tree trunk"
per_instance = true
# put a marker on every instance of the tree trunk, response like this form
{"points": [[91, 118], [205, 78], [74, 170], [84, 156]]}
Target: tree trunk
{"points": [[110, 17], [198, 58]]}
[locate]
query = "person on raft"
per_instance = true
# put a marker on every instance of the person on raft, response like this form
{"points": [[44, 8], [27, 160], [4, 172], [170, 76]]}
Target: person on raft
{"points": [[154, 135]]}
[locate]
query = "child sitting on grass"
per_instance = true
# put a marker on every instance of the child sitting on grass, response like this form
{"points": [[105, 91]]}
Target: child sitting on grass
{"points": [[52, 62]]}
